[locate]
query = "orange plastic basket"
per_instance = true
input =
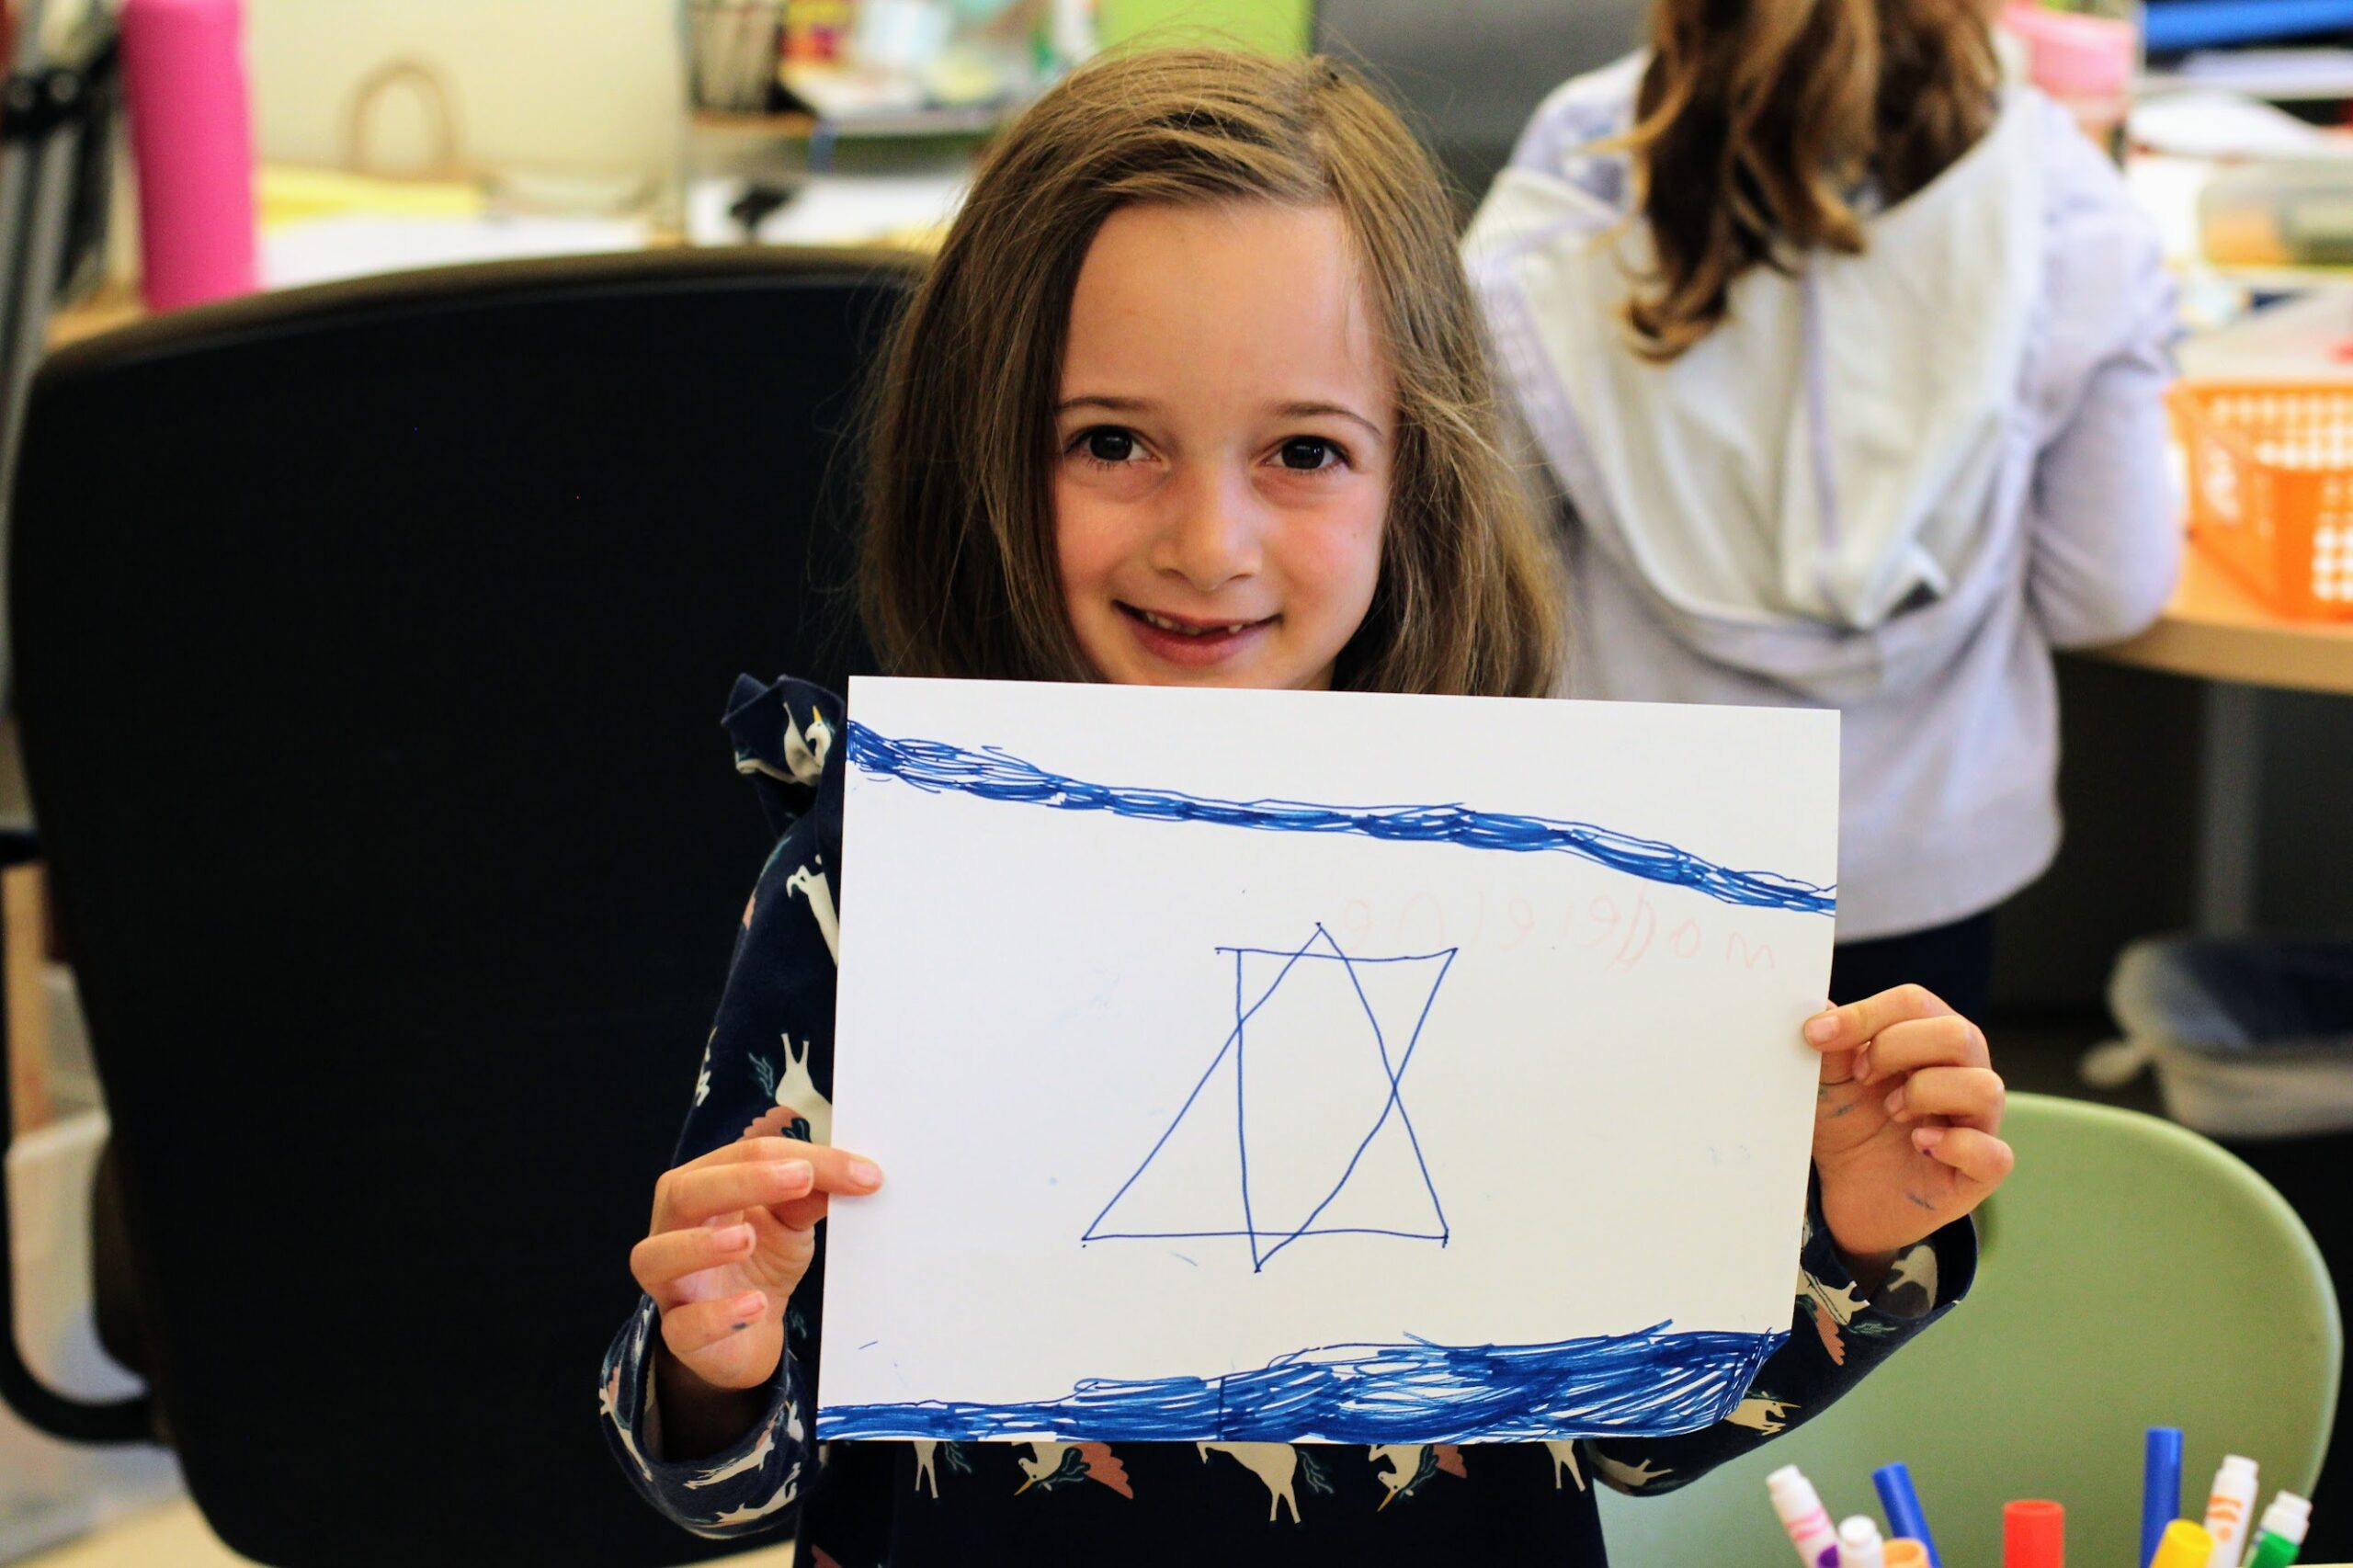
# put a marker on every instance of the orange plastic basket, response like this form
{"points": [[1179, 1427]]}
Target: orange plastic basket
{"points": [[2271, 488]]}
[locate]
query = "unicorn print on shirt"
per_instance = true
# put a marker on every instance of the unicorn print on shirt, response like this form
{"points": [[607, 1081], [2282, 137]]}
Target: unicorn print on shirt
{"points": [[786, 1495], [796, 1091], [1628, 1477], [810, 882], [752, 1460], [1275, 1464], [1762, 1412], [1565, 1461]]}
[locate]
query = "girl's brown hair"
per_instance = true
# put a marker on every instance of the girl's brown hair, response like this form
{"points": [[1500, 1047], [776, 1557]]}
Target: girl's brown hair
{"points": [[960, 573], [1756, 118]]}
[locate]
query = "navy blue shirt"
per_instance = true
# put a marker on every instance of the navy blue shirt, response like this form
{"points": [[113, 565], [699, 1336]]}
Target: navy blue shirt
{"points": [[1037, 1504]]}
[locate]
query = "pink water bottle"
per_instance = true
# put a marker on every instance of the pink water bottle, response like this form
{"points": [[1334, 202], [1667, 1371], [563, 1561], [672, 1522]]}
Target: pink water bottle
{"points": [[2084, 61], [191, 137]]}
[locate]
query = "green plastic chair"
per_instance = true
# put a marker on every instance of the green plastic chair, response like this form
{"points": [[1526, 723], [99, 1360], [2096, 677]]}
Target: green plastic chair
{"points": [[2132, 1275]]}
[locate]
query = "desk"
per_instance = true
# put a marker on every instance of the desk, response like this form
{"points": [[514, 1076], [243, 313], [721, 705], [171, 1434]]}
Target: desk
{"points": [[2218, 631], [2215, 629], [115, 304]]}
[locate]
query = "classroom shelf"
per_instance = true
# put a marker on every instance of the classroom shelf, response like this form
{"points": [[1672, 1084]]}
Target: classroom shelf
{"points": [[801, 125]]}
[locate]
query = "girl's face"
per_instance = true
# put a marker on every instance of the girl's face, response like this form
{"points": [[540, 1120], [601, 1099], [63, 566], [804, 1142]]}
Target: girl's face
{"points": [[1223, 445]]}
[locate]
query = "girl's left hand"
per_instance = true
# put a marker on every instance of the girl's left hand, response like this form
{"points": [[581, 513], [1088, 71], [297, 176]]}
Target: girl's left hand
{"points": [[1903, 1122]]}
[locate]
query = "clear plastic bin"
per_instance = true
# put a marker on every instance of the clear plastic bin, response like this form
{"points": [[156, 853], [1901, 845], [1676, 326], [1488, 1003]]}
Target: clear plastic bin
{"points": [[2253, 1042], [2251, 1038]]}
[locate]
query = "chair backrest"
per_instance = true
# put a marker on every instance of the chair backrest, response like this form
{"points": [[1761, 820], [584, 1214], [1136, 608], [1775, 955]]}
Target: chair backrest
{"points": [[2133, 1274], [373, 641]]}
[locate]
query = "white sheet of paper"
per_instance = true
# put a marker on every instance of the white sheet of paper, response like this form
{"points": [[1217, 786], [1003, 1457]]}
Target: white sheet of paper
{"points": [[1273, 1066]]}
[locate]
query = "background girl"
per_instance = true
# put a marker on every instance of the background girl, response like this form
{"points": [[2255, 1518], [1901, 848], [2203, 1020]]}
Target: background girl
{"points": [[1847, 360]]}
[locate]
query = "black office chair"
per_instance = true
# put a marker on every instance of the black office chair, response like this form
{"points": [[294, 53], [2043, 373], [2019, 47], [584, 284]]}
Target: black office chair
{"points": [[372, 642]]}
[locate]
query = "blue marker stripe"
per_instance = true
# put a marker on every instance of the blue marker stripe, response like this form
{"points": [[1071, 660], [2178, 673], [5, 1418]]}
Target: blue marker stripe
{"points": [[1648, 1384], [991, 774]]}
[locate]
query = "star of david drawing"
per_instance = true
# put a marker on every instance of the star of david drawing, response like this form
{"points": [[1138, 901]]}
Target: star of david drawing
{"points": [[1298, 1126]]}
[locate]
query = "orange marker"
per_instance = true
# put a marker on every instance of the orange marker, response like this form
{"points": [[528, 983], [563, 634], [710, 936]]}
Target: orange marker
{"points": [[1904, 1552]]}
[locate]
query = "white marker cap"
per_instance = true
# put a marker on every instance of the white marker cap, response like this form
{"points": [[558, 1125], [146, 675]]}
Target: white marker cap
{"points": [[2288, 1517], [1858, 1543]]}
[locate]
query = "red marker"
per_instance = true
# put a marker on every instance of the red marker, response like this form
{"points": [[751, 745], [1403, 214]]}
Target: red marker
{"points": [[2034, 1535]]}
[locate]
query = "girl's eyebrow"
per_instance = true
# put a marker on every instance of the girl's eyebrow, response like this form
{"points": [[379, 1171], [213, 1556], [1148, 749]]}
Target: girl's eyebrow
{"points": [[1288, 410], [1337, 410], [1116, 404]]}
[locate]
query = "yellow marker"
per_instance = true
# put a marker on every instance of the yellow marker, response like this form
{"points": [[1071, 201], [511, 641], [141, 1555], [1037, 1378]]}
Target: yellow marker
{"points": [[1903, 1551], [2187, 1544]]}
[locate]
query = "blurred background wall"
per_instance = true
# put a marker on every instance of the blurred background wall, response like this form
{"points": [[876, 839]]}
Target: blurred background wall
{"points": [[565, 86]]}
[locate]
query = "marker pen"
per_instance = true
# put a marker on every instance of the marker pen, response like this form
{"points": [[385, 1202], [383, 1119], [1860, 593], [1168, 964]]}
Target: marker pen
{"points": [[2227, 1508], [2282, 1535], [2185, 1544], [1858, 1543], [2034, 1535], [1902, 1505], [1801, 1514], [1906, 1552], [2160, 1487]]}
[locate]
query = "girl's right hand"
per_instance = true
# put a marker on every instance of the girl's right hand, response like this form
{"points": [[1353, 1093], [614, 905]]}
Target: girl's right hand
{"points": [[732, 1236]]}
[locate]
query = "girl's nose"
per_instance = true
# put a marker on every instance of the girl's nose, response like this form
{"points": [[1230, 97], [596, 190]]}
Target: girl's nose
{"points": [[1211, 534]]}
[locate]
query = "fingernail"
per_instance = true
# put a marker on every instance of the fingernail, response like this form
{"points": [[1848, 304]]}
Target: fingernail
{"points": [[1822, 1027], [1896, 1103], [1863, 1063], [1926, 1137], [796, 1172], [730, 1237], [866, 1173]]}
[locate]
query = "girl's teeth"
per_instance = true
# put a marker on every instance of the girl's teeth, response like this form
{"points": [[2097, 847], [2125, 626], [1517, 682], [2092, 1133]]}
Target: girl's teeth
{"points": [[1164, 624]]}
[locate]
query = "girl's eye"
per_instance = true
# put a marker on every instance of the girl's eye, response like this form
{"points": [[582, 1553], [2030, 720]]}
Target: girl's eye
{"points": [[1109, 446], [1307, 453]]}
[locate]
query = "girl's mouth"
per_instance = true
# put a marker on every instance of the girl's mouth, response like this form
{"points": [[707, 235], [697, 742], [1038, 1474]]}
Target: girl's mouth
{"points": [[1182, 640]]}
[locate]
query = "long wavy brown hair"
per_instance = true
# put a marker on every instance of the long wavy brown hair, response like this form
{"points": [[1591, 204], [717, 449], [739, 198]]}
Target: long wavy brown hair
{"points": [[1758, 120], [959, 574]]}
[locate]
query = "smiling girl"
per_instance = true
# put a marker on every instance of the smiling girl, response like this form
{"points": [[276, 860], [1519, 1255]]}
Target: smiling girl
{"points": [[1194, 394]]}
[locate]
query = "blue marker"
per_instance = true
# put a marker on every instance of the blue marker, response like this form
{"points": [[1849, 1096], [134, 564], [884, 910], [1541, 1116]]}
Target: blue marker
{"points": [[2160, 1488], [1902, 1505]]}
